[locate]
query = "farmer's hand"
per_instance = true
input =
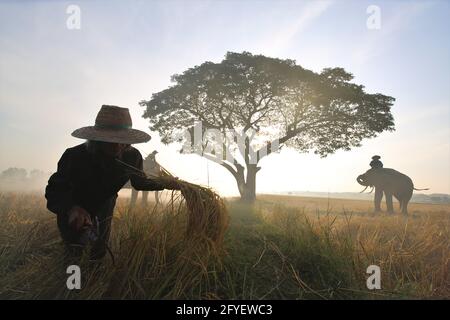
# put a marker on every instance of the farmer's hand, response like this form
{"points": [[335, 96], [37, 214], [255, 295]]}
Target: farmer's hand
{"points": [[78, 218]]}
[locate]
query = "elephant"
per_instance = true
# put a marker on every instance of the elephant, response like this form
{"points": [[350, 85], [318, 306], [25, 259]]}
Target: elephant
{"points": [[392, 183], [152, 168]]}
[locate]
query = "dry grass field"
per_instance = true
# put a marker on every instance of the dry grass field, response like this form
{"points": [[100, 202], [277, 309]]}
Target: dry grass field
{"points": [[284, 247]]}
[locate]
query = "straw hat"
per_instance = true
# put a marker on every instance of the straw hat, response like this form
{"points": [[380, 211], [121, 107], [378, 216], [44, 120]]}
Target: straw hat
{"points": [[113, 124]]}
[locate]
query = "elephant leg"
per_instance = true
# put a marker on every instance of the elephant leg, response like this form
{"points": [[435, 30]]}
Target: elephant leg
{"points": [[406, 200], [378, 197], [400, 201], [134, 195], [157, 197], [144, 198], [389, 204], [405, 206]]}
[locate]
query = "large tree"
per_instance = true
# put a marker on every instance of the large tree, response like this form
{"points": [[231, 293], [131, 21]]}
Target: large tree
{"points": [[266, 102]]}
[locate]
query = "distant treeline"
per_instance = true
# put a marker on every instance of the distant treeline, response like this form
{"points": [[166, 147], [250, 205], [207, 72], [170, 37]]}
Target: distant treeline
{"points": [[19, 179]]}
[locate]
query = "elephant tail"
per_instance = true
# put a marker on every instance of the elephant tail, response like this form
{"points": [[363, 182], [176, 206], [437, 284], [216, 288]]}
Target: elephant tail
{"points": [[421, 189]]}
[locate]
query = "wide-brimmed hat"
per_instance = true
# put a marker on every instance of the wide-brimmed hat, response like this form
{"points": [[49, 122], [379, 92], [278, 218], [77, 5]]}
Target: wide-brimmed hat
{"points": [[113, 124]]}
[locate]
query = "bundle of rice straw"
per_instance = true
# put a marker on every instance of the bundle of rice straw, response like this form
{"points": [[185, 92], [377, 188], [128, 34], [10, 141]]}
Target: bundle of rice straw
{"points": [[207, 214]]}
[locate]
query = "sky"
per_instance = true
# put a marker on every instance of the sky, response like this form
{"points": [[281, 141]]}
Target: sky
{"points": [[54, 79]]}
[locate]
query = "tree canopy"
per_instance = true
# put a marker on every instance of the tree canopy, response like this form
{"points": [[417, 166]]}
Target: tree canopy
{"points": [[277, 99]]}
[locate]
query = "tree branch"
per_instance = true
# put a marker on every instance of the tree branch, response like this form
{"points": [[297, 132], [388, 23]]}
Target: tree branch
{"points": [[289, 134], [226, 165]]}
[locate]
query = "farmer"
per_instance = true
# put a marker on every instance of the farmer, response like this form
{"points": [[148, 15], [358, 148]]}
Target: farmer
{"points": [[376, 163], [83, 191]]}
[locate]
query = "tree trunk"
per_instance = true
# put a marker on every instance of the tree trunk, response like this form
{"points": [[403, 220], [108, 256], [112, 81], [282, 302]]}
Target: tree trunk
{"points": [[247, 187]]}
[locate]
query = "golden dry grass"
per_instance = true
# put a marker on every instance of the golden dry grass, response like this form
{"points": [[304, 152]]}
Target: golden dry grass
{"points": [[312, 204], [281, 248], [412, 251]]}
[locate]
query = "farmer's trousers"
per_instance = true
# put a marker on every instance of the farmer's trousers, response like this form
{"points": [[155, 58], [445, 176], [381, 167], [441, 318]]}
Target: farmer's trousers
{"points": [[101, 220]]}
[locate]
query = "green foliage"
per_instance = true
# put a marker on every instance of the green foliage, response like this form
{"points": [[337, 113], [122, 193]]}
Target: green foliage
{"points": [[323, 111]]}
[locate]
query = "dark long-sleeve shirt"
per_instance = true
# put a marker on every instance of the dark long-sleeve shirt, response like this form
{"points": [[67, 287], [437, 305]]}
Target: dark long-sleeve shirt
{"points": [[88, 180]]}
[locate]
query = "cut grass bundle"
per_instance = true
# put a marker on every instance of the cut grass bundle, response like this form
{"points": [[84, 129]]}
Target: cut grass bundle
{"points": [[154, 259], [207, 215], [277, 249]]}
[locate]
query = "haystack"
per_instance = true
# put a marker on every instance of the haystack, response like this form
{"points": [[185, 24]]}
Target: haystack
{"points": [[207, 213]]}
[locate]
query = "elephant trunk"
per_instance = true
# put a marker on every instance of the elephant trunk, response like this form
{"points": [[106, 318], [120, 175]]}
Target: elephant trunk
{"points": [[362, 181]]}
